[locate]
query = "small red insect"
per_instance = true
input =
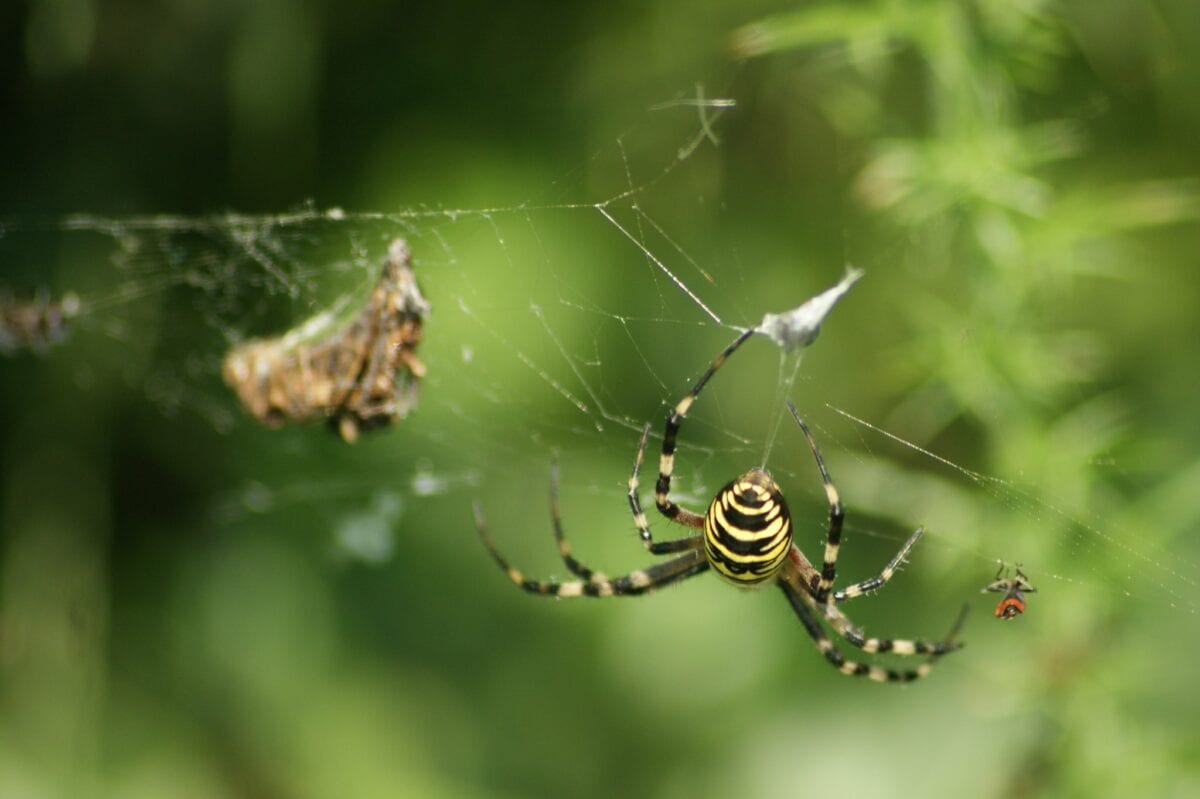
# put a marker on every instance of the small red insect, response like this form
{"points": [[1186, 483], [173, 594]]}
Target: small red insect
{"points": [[1014, 589]]}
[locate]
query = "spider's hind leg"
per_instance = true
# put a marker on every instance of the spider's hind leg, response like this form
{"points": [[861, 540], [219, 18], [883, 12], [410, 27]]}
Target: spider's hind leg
{"points": [[837, 514], [666, 462], [639, 516]]}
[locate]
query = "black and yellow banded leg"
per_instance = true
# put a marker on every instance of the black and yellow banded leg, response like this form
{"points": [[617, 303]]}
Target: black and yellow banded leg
{"points": [[596, 584], [877, 582], [806, 610], [897, 646], [666, 462], [833, 539], [639, 516], [560, 538]]}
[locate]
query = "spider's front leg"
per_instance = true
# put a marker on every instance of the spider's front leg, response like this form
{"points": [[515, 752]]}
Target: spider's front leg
{"points": [[899, 646], [881, 579], [806, 610], [594, 583]]}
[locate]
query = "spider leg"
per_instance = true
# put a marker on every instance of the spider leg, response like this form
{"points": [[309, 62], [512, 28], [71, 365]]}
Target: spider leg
{"points": [[958, 623], [596, 584], [666, 462], [877, 582], [833, 539], [806, 607], [899, 646], [560, 538], [639, 516]]}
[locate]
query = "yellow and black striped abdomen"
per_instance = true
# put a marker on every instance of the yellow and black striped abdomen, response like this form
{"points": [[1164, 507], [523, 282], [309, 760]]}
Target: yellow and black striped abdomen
{"points": [[748, 530]]}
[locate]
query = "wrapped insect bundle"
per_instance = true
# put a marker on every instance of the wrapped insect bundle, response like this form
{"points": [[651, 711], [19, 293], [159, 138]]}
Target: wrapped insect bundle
{"points": [[361, 376]]}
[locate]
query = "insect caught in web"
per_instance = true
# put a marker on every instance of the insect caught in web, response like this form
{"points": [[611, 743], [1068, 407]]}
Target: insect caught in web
{"points": [[1014, 588], [746, 537], [35, 325], [362, 376]]}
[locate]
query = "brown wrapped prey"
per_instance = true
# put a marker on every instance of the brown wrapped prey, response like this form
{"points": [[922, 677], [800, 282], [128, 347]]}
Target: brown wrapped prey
{"points": [[35, 325], [361, 376]]}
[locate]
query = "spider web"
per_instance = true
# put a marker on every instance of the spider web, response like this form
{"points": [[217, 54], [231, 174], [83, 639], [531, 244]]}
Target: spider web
{"points": [[561, 324]]}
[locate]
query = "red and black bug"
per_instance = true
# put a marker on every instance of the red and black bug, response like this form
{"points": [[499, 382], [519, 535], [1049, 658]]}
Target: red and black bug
{"points": [[1014, 589]]}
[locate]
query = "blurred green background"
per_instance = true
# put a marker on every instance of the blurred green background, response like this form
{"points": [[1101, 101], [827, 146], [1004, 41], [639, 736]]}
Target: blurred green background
{"points": [[194, 606]]}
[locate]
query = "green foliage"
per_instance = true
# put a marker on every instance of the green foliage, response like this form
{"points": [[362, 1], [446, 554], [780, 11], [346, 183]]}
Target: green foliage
{"points": [[192, 605]]}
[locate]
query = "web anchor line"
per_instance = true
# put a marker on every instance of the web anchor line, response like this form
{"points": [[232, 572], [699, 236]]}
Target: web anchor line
{"points": [[793, 330]]}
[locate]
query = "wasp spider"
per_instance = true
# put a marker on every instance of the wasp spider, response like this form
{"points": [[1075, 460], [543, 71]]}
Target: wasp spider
{"points": [[746, 537]]}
